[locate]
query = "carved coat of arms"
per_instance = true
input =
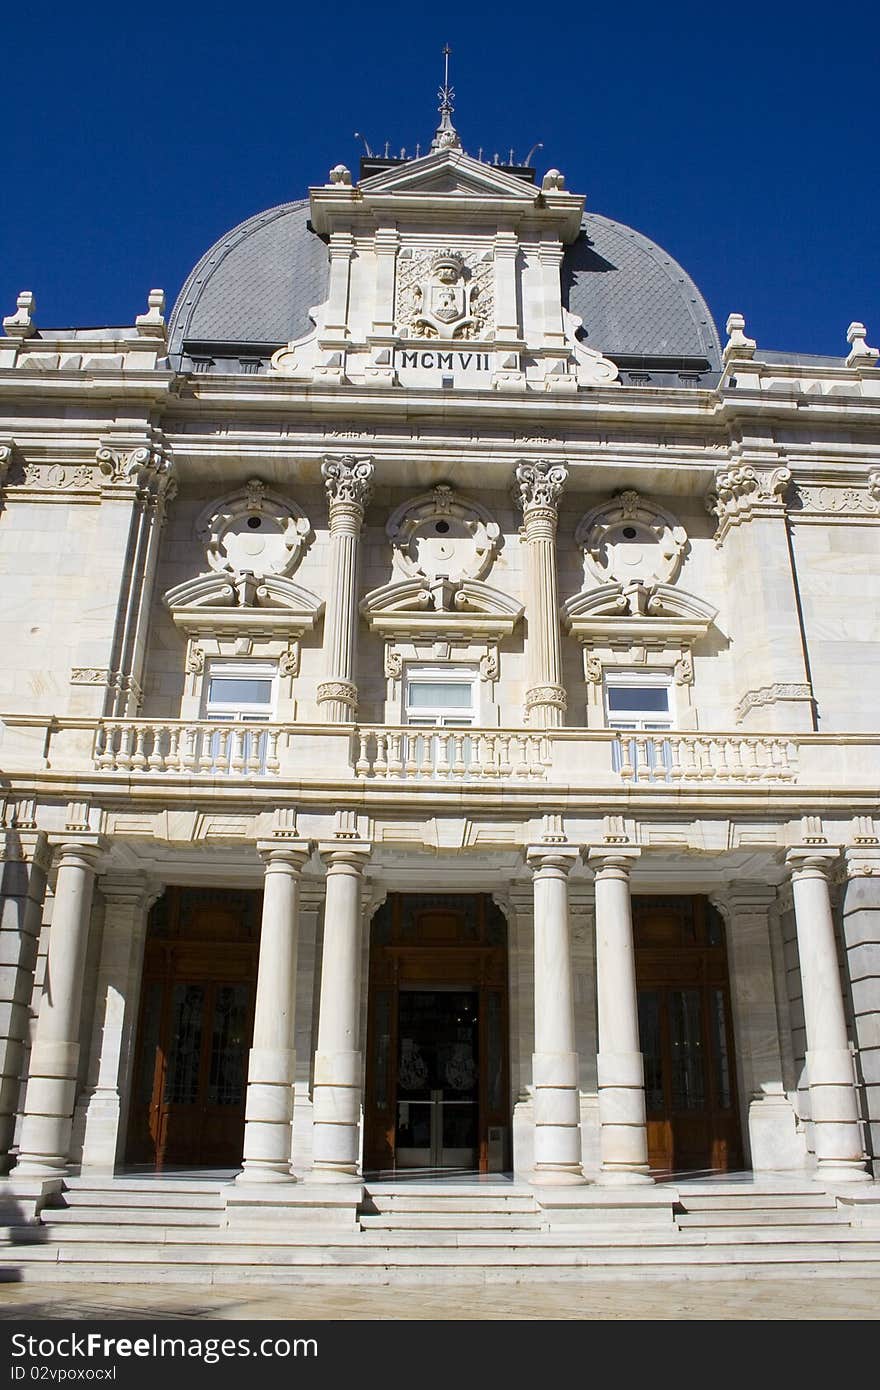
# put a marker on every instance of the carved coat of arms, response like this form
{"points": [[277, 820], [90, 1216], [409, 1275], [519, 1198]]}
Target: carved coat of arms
{"points": [[445, 299]]}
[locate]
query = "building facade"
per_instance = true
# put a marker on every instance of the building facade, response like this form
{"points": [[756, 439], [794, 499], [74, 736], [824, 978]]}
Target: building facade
{"points": [[439, 713]]}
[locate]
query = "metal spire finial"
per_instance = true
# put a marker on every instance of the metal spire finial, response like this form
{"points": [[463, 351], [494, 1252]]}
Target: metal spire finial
{"points": [[446, 136]]}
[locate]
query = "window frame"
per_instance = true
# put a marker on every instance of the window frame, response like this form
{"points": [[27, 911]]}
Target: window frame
{"points": [[440, 717], [644, 720], [243, 712]]}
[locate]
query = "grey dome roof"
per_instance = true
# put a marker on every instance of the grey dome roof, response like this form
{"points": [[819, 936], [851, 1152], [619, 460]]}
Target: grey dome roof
{"points": [[634, 299], [255, 285], [254, 288]]}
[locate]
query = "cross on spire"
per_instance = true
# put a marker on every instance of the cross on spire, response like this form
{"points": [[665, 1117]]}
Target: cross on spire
{"points": [[446, 136]]}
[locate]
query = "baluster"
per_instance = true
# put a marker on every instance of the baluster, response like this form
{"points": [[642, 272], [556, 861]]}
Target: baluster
{"points": [[173, 760], [747, 758], [735, 757], [723, 766], [205, 746], [380, 762], [104, 739], [273, 764], [411, 748], [426, 765], [521, 764], [656, 759], [223, 751], [256, 749], [362, 766], [236, 762], [643, 766], [505, 766], [459, 767], [539, 754], [123, 757], [156, 760], [395, 761], [490, 752], [623, 748], [444, 761], [689, 769], [672, 754], [138, 757]]}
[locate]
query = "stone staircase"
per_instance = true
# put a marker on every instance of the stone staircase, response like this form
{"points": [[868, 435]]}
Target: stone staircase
{"points": [[176, 1230]]}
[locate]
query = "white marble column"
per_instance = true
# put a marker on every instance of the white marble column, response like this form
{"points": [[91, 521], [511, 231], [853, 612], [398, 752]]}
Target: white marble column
{"points": [[538, 490], [24, 861], [349, 484], [621, 1073], [51, 1090], [128, 899], [833, 1100], [272, 1061], [555, 1060], [338, 1058]]}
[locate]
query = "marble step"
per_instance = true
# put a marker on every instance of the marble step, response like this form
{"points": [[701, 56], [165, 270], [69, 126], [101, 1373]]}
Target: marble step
{"points": [[474, 1276], [576, 1238], [125, 1215], [452, 1220], [202, 1200], [747, 1217], [314, 1258], [385, 1202], [758, 1201], [150, 1185]]}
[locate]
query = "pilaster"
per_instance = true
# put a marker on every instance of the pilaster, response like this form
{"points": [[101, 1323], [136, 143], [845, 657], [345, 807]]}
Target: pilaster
{"points": [[128, 899], [861, 932], [770, 1119]]}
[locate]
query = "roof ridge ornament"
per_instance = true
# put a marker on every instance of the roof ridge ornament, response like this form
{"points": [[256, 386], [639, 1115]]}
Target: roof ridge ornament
{"points": [[445, 136]]}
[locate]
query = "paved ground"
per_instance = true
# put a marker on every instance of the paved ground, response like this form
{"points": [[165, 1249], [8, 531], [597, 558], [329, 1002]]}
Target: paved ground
{"points": [[805, 1297]]}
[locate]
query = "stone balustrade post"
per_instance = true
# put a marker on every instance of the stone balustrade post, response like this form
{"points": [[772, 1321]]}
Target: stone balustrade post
{"points": [[272, 1061], [349, 484], [833, 1101], [621, 1073], [555, 1060], [338, 1057], [24, 861], [537, 491], [51, 1090]]}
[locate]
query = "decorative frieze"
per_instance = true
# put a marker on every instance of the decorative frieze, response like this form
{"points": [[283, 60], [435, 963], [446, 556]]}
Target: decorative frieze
{"points": [[829, 500], [771, 695], [89, 675]]}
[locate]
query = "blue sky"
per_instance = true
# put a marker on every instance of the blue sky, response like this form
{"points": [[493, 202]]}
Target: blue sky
{"points": [[741, 137]]}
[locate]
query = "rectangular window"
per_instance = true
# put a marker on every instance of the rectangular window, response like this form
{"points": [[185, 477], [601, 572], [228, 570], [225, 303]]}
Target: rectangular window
{"points": [[637, 703], [443, 697], [239, 692]]}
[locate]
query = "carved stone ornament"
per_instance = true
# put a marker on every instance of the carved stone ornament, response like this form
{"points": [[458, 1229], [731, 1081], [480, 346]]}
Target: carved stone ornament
{"points": [[253, 531], [136, 467], [440, 535], [631, 540], [445, 295], [539, 484], [89, 675], [348, 479], [741, 493], [830, 500], [770, 695]]}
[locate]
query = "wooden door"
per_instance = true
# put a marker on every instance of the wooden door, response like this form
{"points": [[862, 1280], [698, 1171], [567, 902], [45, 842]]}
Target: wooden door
{"points": [[686, 1035], [195, 1030], [437, 1054]]}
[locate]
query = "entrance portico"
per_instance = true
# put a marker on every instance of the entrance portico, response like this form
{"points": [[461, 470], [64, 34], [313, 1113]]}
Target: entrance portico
{"points": [[462, 1012]]}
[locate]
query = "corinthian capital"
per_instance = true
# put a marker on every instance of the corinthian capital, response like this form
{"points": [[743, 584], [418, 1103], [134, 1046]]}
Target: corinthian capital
{"points": [[744, 492], [348, 478], [539, 484], [142, 466]]}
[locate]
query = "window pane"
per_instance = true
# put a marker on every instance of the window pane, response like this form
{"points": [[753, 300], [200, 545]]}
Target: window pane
{"points": [[440, 694], [639, 697], [240, 690], [686, 1038]]}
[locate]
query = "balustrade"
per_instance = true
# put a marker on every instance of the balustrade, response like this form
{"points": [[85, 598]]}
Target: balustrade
{"points": [[200, 749]]}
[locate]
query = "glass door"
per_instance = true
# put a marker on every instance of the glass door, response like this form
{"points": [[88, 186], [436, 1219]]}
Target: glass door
{"points": [[437, 1079]]}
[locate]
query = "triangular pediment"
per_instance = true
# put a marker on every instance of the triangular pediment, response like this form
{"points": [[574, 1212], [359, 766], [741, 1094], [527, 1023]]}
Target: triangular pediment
{"points": [[450, 172]]}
